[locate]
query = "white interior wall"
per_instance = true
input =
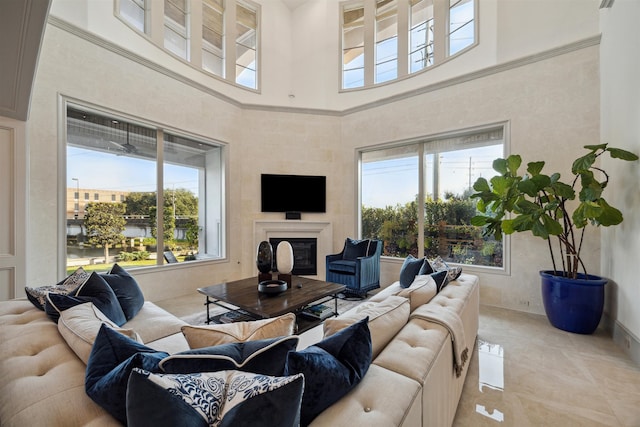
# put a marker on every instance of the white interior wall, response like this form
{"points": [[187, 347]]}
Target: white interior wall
{"points": [[620, 68]]}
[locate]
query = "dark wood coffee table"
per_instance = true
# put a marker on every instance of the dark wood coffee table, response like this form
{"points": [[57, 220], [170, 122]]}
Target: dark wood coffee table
{"points": [[243, 295]]}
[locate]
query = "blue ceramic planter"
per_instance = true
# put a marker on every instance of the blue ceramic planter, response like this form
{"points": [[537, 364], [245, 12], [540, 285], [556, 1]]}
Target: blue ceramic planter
{"points": [[573, 305]]}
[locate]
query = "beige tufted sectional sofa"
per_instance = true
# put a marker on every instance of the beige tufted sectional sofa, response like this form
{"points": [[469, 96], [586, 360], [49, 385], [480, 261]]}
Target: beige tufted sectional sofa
{"points": [[412, 380]]}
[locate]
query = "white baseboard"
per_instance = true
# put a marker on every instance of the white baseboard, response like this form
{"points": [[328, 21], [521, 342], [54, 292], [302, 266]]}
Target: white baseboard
{"points": [[624, 339]]}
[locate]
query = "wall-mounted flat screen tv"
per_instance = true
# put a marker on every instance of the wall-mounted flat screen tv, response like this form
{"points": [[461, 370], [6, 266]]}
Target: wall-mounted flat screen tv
{"points": [[293, 193]]}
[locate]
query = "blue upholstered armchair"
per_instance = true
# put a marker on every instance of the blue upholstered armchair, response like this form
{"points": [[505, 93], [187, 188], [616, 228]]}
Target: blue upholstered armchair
{"points": [[357, 266]]}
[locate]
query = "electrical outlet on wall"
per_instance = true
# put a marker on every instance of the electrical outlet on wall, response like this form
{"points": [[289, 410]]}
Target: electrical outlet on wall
{"points": [[524, 303]]}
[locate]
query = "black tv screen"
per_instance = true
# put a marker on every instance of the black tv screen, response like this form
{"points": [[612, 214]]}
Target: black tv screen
{"points": [[293, 193]]}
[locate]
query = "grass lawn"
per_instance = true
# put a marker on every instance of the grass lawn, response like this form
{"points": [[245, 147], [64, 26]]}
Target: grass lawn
{"points": [[124, 264]]}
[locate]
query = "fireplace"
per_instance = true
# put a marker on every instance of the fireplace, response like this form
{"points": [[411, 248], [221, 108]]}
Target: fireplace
{"points": [[305, 254], [289, 229]]}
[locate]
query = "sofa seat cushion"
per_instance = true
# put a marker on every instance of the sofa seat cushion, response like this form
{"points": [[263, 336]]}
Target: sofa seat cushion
{"points": [[208, 335], [386, 318], [414, 349], [343, 266], [224, 398], [152, 323], [383, 398]]}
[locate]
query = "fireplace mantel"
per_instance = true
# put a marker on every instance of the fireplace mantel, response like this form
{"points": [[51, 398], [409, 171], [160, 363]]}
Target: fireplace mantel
{"points": [[321, 230]]}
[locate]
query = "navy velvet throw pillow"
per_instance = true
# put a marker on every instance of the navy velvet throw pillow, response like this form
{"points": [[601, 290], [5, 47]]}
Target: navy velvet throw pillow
{"points": [[331, 368], [354, 249], [112, 359], [126, 289], [265, 357], [409, 270]]}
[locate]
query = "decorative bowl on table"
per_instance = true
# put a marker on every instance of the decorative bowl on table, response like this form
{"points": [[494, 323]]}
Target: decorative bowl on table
{"points": [[272, 286]]}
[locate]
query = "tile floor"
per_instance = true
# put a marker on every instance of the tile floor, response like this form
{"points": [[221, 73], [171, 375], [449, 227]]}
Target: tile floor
{"points": [[524, 372]]}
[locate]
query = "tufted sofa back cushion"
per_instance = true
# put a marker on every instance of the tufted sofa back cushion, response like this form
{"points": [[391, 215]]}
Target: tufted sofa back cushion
{"points": [[39, 373], [386, 318]]}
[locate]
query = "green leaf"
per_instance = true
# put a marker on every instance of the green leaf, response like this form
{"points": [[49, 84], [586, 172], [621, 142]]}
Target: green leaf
{"points": [[591, 192], [528, 207], [617, 153], [528, 187], [500, 166], [583, 163], [538, 229], [596, 147], [609, 215], [523, 222], [501, 184], [551, 225], [555, 177], [513, 163], [479, 221], [541, 181], [584, 212], [507, 226], [534, 168], [481, 184], [563, 190]]}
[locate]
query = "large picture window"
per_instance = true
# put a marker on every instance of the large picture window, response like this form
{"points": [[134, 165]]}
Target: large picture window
{"points": [[416, 197], [143, 213]]}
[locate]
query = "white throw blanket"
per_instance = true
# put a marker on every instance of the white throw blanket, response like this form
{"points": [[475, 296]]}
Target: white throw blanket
{"points": [[449, 319]]}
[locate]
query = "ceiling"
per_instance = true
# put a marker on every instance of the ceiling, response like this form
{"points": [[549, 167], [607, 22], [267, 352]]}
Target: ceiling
{"points": [[293, 4]]}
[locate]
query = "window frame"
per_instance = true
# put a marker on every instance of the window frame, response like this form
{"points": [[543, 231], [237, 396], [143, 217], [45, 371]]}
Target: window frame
{"points": [[65, 103], [421, 142]]}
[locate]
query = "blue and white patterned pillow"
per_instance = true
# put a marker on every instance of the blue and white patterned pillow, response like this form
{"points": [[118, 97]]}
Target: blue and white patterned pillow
{"points": [[223, 398], [38, 295], [438, 265]]}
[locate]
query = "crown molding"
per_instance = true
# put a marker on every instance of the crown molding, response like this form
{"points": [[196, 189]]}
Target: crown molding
{"points": [[488, 71]]}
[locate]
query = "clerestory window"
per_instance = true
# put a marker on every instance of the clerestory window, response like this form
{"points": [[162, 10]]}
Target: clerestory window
{"points": [[386, 40], [220, 37]]}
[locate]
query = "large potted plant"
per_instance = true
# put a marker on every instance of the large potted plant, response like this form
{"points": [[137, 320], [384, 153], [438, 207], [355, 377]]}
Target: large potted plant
{"points": [[558, 212]]}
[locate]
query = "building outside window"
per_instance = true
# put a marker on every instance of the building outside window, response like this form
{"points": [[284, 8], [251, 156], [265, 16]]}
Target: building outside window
{"points": [[185, 203], [440, 172]]}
